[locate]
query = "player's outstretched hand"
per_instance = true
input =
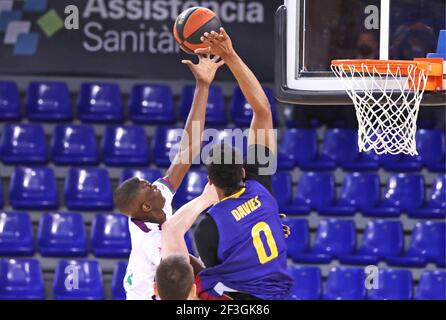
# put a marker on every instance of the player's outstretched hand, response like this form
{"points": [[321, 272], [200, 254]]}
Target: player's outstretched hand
{"points": [[219, 44], [204, 71], [210, 194], [286, 228]]}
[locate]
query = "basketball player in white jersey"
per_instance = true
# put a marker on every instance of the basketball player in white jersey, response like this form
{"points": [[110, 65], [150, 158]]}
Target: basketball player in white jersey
{"points": [[148, 205]]}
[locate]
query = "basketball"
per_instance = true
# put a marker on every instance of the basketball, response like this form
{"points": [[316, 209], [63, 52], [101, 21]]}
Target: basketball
{"points": [[191, 24]]}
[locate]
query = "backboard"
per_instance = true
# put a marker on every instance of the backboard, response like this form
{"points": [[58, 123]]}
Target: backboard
{"points": [[312, 33]]}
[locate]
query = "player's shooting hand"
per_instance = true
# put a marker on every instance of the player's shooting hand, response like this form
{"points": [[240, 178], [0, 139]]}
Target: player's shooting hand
{"points": [[210, 194], [204, 71], [219, 44], [286, 228]]}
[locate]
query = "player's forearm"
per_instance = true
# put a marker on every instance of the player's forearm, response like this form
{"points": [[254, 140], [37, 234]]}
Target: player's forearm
{"points": [[174, 229], [249, 84], [197, 115], [184, 218], [190, 144]]}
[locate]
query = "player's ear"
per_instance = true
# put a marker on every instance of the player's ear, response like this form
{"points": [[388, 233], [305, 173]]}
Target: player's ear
{"points": [[210, 181], [243, 173], [193, 292], [146, 207]]}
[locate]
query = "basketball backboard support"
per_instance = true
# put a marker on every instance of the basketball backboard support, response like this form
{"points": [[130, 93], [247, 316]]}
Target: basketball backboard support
{"points": [[312, 33]]}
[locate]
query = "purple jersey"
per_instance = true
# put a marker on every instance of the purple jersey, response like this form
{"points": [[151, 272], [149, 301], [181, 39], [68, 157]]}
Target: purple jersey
{"points": [[251, 247]]}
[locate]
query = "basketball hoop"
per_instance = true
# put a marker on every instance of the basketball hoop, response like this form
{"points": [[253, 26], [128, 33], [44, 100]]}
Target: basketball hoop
{"points": [[387, 95]]}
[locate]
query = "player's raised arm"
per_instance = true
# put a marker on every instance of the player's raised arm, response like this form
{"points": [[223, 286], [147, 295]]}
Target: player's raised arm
{"points": [[174, 229], [261, 126], [190, 144]]}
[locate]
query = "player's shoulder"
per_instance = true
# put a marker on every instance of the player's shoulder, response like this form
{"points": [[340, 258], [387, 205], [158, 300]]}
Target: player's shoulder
{"points": [[164, 185], [254, 186]]}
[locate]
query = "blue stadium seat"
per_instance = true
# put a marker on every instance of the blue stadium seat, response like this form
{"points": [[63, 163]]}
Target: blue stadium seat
{"points": [[233, 137], [191, 187], [100, 103], [118, 291], [241, 111], [441, 47], [381, 239], [74, 145], [345, 284], [151, 104], [307, 283], [23, 144], [341, 146], [315, 190], [1, 193], [437, 55], [163, 141], [299, 240], [436, 205], [9, 101], [48, 101], [62, 235], [110, 237], [283, 188], [358, 192], [125, 146], [392, 285], [16, 234], [88, 189], [432, 286], [299, 147], [427, 244], [89, 284], [21, 280], [404, 192], [215, 110], [334, 239], [392, 162], [33, 188], [431, 150], [150, 175]]}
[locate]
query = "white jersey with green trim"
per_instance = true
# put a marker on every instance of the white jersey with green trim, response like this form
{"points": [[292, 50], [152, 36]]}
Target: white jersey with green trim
{"points": [[146, 250]]}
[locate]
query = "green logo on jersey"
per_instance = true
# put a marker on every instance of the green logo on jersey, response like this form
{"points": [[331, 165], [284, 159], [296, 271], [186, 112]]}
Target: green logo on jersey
{"points": [[129, 279]]}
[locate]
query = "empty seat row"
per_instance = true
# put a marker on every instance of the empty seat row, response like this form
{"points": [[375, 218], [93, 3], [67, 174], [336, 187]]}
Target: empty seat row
{"points": [[299, 147], [76, 145], [128, 146], [63, 234], [382, 240], [90, 189], [23, 279], [360, 192], [73, 280], [85, 189], [345, 283], [102, 103]]}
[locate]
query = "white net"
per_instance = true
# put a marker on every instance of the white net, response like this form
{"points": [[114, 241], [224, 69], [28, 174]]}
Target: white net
{"points": [[387, 101]]}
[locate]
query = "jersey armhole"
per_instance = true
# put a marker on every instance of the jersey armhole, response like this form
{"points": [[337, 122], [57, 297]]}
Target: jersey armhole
{"points": [[165, 181]]}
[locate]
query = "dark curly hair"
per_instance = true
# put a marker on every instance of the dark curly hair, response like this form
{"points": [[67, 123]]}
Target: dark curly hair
{"points": [[225, 168]]}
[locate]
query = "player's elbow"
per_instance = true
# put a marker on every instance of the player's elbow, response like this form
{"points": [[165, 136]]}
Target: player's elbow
{"points": [[264, 114], [264, 111]]}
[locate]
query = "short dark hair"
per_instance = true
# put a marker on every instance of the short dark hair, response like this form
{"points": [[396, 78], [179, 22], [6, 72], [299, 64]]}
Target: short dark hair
{"points": [[125, 194], [174, 278], [225, 168]]}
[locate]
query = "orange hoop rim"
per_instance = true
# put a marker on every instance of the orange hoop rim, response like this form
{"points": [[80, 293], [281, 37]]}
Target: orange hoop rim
{"points": [[432, 68]]}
